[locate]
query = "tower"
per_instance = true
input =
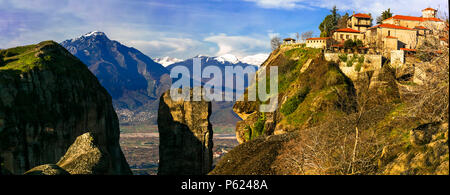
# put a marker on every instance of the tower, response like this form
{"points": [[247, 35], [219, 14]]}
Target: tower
{"points": [[429, 13]]}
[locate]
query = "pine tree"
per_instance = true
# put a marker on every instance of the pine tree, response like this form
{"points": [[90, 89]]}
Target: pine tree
{"points": [[384, 15]]}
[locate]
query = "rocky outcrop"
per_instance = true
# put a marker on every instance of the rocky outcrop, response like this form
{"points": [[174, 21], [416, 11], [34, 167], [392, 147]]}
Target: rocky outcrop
{"points": [[426, 153], [48, 169], [85, 157], [328, 124], [47, 99], [256, 157], [310, 90], [185, 134]]}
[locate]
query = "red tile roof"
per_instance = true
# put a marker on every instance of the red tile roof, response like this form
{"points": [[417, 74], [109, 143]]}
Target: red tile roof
{"points": [[429, 9], [391, 37], [318, 38], [348, 30], [359, 15], [432, 19], [404, 49], [391, 26], [420, 27], [413, 18]]}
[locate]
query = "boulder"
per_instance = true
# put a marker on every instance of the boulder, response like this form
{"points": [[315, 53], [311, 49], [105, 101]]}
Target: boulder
{"points": [[84, 157]]}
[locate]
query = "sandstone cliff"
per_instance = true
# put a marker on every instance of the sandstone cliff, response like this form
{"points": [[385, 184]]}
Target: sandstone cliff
{"points": [[185, 136], [326, 123], [47, 99]]}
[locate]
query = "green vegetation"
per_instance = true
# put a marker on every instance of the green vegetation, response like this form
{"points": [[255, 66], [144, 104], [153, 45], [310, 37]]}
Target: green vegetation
{"points": [[350, 44], [330, 23], [257, 129], [351, 61], [358, 67], [343, 57], [320, 88], [290, 71], [45, 55], [292, 103], [361, 59], [384, 15]]}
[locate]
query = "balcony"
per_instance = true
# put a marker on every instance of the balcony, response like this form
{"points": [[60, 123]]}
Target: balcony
{"points": [[363, 23]]}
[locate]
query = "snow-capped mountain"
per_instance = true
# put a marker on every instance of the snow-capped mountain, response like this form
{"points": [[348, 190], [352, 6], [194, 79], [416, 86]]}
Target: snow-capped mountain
{"points": [[218, 61], [166, 61], [227, 58], [133, 79], [256, 60]]}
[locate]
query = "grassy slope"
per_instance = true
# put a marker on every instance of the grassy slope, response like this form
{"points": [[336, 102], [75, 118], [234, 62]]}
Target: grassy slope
{"points": [[45, 55]]}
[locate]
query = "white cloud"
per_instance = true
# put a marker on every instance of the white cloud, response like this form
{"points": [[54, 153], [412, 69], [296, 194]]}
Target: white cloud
{"points": [[166, 46], [256, 59], [239, 45], [401, 7], [283, 4]]}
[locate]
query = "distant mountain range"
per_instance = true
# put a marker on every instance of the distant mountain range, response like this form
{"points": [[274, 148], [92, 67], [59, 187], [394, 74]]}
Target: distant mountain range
{"points": [[133, 79], [255, 60], [166, 61], [136, 82], [221, 62], [222, 112]]}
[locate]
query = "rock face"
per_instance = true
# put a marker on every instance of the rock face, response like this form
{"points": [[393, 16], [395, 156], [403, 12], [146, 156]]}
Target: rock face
{"points": [[256, 157], [427, 153], [310, 90], [85, 157], [48, 169], [47, 99], [185, 134], [327, 124]]}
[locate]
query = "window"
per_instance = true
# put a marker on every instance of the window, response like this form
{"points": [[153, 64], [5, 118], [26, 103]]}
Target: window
{"points": [[355, 37], [347, 37], [342, 36], [389, 33]]}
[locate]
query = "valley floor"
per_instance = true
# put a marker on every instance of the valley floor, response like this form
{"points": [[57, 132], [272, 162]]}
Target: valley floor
{"points": [[141, 150]]}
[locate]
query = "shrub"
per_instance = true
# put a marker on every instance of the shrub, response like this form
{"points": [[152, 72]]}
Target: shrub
{"points": [[343, 57], [358, 67], [258, 127], [292, 103], [9, 54], [351, 61], [361, 59], [358, 43], [349, 44]]}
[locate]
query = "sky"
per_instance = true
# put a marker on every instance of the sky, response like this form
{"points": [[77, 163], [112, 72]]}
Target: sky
{"points": [[183, 28]]}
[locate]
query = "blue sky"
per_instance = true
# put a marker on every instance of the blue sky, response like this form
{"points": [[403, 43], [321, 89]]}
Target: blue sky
{"points": [[181, 28]]}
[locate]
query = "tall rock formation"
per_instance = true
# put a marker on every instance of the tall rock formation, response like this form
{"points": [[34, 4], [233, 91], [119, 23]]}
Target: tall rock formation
{"points": [[185, 134], [222, 111], [47, 99]]}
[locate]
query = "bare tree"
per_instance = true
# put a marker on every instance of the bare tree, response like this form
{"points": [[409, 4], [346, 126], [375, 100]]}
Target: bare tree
{"points": [[275, 42], [306, 35], [430, 99], [297, 36]]}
